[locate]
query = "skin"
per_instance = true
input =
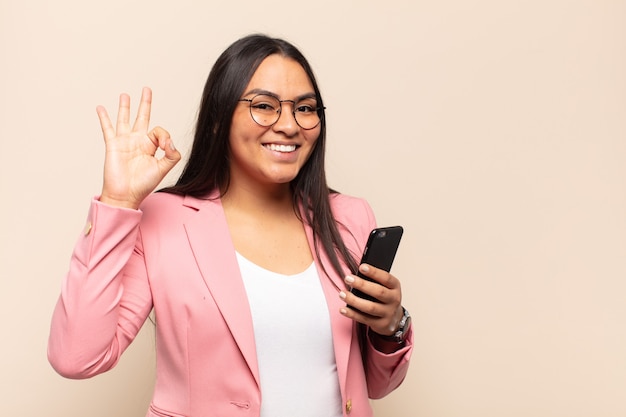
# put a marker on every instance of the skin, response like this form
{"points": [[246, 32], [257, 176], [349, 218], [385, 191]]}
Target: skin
{"points": [[258, 204], [131, 169], [253, 165]]}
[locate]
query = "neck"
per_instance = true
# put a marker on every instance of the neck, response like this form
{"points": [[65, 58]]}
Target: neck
{"points": [[260, 200]]}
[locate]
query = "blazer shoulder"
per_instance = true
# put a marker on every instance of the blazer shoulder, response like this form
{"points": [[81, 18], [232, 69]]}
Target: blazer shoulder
{"points": [[164, 200], [160, 201], [161, 206], [353, 215], [350, 208]]}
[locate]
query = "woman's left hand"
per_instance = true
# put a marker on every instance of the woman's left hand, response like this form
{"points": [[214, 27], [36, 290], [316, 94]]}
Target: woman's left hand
{"points": [[382, 317]]}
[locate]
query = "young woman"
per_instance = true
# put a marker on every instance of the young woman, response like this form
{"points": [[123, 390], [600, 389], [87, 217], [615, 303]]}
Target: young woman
{"points": [[246, 260]]}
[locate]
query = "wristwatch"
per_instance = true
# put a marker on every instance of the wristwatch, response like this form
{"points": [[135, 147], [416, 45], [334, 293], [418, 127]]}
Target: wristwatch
{"points": [[403, 329]]}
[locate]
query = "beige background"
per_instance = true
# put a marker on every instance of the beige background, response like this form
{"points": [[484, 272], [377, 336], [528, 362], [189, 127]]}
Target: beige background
{"points": [[494, 131]]}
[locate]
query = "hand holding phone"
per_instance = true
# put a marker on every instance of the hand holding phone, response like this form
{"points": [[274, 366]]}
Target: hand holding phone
{"points": [[380, 251]]}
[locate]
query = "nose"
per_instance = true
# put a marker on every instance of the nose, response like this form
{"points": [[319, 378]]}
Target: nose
{"points": [[286, 122]]}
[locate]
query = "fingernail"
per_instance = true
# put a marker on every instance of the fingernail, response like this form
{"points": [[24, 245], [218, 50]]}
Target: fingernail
{"points": [[342, 295], [343, 311], [172, 146], [349, 279], [364, 268]]}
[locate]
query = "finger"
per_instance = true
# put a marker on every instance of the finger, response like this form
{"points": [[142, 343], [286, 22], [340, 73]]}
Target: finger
{"points": [[105, 123], [171, 157], [377, 291], [161, 138], [142, 122], [380, 276], [370, 291], [369, 287], [362, 308], [379, 322], [157, 135], [382, 318], [123, 115]]}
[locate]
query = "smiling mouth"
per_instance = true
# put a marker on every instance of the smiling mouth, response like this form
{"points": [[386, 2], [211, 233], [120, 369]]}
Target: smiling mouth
{"points": [[280, 148]]}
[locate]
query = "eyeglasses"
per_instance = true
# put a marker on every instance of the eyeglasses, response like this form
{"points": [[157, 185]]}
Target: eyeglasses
{"points": [[265, 110]]}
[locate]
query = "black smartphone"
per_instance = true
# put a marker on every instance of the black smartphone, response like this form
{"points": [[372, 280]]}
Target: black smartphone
{"points": [[380, 251]]}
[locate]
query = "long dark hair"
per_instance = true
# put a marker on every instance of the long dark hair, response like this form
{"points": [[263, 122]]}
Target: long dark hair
{"points": [[208, 166]]}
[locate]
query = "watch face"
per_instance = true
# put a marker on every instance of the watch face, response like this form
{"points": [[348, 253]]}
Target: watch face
{"points": [[405, 324]]}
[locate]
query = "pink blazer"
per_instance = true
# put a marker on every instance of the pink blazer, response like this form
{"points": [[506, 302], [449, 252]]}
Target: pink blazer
{"points": [[175, 256]]}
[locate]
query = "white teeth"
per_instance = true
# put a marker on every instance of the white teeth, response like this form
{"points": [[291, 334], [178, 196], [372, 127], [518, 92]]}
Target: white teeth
{"points": [[281, 148]]}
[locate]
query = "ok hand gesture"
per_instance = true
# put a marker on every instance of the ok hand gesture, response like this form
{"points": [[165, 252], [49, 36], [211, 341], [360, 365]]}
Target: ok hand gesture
{"points": [[131, 169]]}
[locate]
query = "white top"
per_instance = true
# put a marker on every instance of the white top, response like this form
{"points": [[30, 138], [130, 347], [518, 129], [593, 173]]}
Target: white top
{"points": [[293, 342]]}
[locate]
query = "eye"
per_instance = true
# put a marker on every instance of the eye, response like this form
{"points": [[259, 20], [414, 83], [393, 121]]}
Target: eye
{"points": [[306, 107], [264, 107], [265, 104]]}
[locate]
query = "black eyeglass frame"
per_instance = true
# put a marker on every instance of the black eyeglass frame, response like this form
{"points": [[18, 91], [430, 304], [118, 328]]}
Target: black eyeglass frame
{"points": [[318, 110]]}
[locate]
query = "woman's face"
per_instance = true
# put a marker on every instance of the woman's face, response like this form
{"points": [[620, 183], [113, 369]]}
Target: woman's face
{"points": [[267, 156]]}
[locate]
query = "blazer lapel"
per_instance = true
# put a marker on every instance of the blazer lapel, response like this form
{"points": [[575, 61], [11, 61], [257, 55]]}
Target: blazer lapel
{"points": [[213, 249]]}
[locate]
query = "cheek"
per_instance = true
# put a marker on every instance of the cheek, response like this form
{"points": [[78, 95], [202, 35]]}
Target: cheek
{"points": [[312, 143], [312, 136], [242, 124], [244, 132]]}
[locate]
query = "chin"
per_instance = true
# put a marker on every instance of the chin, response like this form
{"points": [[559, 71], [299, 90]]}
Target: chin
{"points": [[283, 178]]}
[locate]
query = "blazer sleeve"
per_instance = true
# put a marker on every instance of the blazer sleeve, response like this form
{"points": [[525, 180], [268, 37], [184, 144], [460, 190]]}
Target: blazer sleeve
{"points": [[384, 372], [105, 296]]}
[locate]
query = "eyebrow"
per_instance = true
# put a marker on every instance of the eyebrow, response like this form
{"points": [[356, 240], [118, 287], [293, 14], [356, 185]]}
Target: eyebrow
{"points": [[269, 93]]}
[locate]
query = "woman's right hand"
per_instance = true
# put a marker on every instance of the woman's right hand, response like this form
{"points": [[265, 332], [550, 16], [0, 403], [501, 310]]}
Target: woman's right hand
{"points": [[131, 169]]}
